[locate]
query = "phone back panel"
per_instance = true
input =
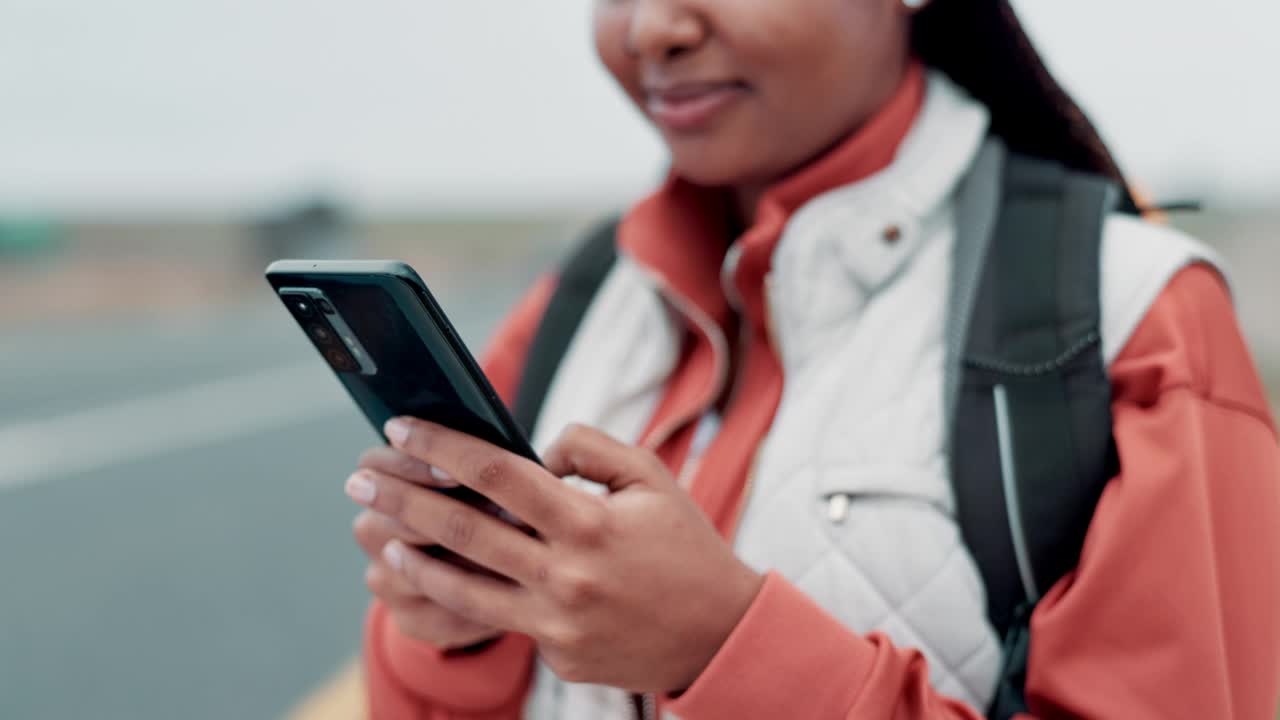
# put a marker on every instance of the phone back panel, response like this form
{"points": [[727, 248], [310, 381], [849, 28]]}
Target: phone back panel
{"points": [[422, 369]]}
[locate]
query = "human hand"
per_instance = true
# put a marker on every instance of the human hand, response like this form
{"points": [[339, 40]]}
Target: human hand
{"points": [[414, 613], [634, 589]]}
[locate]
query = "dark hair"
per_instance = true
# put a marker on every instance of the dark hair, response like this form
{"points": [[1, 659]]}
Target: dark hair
{"points": [[982, 47]]}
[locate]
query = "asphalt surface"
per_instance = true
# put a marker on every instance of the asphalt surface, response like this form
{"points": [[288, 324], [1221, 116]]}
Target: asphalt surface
{"points": [[174, 540]]}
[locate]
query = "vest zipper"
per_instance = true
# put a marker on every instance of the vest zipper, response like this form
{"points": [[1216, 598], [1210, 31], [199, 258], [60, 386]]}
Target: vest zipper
{"points": [[720, 351], [770, 325], [749, 486], [646, 706]]}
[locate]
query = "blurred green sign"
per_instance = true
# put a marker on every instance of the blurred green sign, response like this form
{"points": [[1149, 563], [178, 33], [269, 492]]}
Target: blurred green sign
{"points": [[29, 237]]}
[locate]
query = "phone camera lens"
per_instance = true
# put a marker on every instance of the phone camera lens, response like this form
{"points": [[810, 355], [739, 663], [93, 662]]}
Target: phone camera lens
{"points": [[324, 306], [301, 306], [321, 333], [341, 361]]}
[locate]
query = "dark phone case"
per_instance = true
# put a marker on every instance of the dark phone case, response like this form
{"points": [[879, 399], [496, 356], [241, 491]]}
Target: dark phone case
{"points": [[423, 368]]}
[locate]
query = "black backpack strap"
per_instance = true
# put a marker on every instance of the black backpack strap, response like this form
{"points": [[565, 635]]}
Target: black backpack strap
{"points": [[1031, 443], [977, 204], [580, 279]]}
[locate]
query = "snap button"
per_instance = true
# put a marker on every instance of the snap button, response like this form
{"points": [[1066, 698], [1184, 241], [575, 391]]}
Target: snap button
{"points": [[838, 508], [891, 234]]}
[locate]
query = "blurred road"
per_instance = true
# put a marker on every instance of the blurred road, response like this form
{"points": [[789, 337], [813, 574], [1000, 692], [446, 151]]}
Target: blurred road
{"points": [[174, 540]]}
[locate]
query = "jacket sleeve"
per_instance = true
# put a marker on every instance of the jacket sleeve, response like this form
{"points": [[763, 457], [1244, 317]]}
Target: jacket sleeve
{"points": [[1172, 610], [411, 680]]}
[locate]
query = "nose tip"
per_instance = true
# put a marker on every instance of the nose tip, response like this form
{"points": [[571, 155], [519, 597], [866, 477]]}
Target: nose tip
{"points": [[663, 31]]}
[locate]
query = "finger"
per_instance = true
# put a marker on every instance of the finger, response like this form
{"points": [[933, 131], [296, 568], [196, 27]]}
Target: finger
{"points": [[403, 465], [436, 626], [475, 597], [393, 588], [517, 484], [475, 535], [591, 454], [372, 530], [418, 616]]}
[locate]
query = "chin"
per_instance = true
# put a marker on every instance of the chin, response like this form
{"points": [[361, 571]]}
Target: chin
{"points": [[716, 169]]}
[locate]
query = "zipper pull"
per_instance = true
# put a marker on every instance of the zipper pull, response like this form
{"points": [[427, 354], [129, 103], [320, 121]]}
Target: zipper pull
{"points": [[838, 508], [646, 706]]}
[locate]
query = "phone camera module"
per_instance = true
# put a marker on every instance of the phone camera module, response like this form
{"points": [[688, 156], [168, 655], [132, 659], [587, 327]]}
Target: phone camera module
{"points": [[341, 361], [321, 333], [301, 306]]}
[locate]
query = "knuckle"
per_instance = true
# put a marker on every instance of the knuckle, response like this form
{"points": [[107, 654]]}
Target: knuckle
{"points": [[591, 526], [577, 590], [459, 529], [489, 471]]}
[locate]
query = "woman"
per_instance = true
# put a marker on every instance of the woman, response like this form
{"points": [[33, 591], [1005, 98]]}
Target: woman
{"points": [[815, 150]]}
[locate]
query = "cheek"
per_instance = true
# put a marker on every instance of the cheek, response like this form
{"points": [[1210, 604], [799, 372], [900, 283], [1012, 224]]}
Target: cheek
{"points": [[809, 47], [819, 79], [609, 27]]}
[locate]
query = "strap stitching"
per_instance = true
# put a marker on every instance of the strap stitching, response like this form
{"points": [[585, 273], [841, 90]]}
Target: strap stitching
{"points": [[1000, 366]]}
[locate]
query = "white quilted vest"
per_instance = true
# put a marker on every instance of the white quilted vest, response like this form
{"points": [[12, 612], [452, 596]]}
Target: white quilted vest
{"points": [[849, 497]]}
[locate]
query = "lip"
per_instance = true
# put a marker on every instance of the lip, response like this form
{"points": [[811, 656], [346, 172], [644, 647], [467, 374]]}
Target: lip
{"points": [[690, 107]]}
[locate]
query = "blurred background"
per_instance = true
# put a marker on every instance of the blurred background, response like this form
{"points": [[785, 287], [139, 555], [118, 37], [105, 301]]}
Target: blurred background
{"points": [[174, 541]]}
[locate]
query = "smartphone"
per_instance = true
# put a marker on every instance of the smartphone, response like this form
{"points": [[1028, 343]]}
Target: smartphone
{"points": [[383, 334]]}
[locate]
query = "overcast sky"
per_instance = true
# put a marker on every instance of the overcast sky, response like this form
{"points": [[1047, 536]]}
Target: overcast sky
{"points": [[410, 105]]}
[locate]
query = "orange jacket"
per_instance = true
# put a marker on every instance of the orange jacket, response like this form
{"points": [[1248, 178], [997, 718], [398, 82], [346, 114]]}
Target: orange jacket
{"points": [[1172, 611]]}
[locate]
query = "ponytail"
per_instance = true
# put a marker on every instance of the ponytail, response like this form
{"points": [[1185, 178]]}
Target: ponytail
{"points": [[982, 47]]}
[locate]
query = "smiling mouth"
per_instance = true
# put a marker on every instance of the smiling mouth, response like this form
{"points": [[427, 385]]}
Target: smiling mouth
{"points": [[692, 107]]}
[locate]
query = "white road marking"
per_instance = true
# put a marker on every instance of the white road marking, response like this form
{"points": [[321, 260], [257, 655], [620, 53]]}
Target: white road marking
{"points": [[194, 416]]}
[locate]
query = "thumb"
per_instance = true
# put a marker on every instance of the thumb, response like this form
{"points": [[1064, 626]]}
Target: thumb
{"points": [[592, 455]]}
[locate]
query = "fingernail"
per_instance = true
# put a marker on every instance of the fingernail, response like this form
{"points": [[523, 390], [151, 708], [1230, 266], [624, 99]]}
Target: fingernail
{"points": [[361, 488], [393, 553], [396, 430], [441, 476]]}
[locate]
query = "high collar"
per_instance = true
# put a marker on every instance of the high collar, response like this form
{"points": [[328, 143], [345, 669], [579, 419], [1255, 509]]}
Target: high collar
{"points": [[680, 232]]}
